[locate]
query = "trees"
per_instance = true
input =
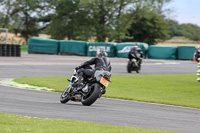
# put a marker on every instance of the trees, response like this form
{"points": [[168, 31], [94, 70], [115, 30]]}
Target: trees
{"points": [[174, 28], [24, 16], [149, 24], [191, 31], [110, 18], [85, 19], [5, 12], [148, 27], [68, 20], [104, 20]]}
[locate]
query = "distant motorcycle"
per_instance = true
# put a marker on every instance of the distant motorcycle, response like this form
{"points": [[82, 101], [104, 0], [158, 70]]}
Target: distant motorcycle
{"points": [[89, 90], [133, 65]]}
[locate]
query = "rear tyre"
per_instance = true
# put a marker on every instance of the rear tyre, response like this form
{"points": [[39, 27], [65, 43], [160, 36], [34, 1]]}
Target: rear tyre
{"points": [[92, 96], [64, 98], [129, 67]]}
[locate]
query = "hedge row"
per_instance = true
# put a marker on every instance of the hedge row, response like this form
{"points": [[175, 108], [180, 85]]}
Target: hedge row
{"points": [[51, 46]]}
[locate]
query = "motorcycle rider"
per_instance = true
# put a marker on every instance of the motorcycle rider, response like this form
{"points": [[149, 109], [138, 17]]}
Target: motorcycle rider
{"points": [[101, 62], [197, 54], [134, 54]]}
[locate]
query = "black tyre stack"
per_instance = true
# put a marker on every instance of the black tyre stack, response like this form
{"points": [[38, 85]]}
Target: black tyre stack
{"points": [[10, 50], [1, 51]]}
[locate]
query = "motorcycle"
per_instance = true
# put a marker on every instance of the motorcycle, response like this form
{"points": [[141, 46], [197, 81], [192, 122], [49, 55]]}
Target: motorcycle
{"points": [[133, 65], [89, 90]]}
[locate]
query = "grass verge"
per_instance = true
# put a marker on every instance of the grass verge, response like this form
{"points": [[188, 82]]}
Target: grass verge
{"points": [[24, 48], [22, 124], [173, 89]]}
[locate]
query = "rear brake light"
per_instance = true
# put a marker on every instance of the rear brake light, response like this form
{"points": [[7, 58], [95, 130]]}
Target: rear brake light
{"points": [[105, 78]]}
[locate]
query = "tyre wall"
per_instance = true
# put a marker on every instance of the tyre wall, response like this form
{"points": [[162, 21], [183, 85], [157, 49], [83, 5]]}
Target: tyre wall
{"points": [[122, 49], [43, 45], [73, 47], [162, 52], [107, 47], [10, 50], [185, 52]]}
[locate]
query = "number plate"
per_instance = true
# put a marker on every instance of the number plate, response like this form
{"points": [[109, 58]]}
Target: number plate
{"points": [[104, 82]]}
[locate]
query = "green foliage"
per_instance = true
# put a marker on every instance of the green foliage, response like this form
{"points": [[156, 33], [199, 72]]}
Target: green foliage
{"points": [[190, 31], [90, 18], [24, 16], [104, 20], [148, 27], [69, 20], [175, 89], [174, 29], [24, 48], [21, 124]]}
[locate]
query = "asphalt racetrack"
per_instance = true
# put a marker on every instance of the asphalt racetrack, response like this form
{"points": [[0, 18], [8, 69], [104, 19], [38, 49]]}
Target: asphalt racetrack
{"points": [[105, 110]]}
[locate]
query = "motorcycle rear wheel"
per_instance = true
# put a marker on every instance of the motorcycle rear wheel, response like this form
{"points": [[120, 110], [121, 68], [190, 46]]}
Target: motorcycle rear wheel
{"points": [[129, 67], [92, 96], [64, 98]]}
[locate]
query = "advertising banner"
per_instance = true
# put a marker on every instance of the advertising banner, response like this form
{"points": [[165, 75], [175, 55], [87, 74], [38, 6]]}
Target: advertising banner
{"points": [[109, 48]]}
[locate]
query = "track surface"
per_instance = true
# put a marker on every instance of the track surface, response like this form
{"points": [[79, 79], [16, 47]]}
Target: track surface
{"points": [[110, 111]]}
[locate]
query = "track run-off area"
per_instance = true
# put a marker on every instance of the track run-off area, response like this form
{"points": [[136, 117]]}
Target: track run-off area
{"points": [[46, 104]]}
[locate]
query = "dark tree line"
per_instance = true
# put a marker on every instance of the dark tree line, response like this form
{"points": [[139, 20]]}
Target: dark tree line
{"points": [[104, 20]]}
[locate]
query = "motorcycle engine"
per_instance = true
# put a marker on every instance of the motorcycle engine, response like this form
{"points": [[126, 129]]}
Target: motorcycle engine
{"points": [[77, 97]]}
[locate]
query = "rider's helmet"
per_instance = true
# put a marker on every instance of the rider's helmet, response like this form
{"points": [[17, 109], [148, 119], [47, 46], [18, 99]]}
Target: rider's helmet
{"points": [[103, 54], [136, 45]]}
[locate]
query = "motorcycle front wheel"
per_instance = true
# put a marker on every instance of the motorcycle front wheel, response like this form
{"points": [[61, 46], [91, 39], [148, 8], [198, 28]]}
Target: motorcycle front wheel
{"points": [[129, 67], [64, 98], [92, 95]]}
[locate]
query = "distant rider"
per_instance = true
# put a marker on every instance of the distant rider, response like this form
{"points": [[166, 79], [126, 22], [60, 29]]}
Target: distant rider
{"points": [[101, 62], [197, 55], [136, 53]]}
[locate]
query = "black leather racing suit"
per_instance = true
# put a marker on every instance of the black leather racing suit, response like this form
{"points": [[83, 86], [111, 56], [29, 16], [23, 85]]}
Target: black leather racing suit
{"points": [[197, 55], [134, 54], [100, 63]]}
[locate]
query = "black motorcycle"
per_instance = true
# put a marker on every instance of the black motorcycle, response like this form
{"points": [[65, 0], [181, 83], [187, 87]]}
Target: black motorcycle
{"points": [[133, 65], [89, 90]]}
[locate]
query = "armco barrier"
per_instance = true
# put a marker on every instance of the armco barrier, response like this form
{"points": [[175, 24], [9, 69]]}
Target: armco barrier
{"points": [[185, 52], [104, 46], [43, 45], [198, 72], [162, 52], [122, 49], [73, 47]]}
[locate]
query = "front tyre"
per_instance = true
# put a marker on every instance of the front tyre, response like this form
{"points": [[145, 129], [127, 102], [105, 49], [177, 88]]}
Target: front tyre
{"points": [[92, 96], [64, 98]]}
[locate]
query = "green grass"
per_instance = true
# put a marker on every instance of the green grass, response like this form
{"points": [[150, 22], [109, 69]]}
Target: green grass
{"points": [[24, 48], [23, 124], [173, 89], [181, 40]]}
